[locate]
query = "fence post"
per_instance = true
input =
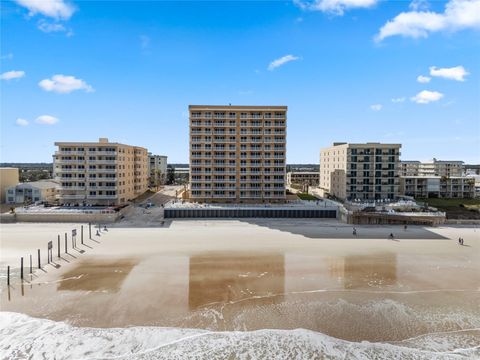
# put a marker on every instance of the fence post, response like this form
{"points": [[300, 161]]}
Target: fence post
{"points": [[48, 255], [81, 234], [90, 231], [8, 276], [58, 246], [66, 249], [30, 264], [38, 254], [21, 268]]}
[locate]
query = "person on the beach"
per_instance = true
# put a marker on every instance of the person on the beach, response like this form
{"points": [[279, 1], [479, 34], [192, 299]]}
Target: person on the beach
{"points": [[405, 227], [354, 231], [391, 236]]}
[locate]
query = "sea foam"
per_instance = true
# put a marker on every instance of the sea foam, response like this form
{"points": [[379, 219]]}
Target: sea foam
{"points": [[24, 337]]}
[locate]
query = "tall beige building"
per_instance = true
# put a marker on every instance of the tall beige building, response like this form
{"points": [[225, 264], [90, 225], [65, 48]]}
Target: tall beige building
{"points": [[237, 153], [100, 173], [360, 171]]}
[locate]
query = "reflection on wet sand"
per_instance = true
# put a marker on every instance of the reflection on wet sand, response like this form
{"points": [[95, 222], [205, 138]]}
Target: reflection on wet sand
{"points": [[225, 278], [91, 275], [365, 271]]}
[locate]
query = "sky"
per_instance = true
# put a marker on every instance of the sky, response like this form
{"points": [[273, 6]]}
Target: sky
{"points": [[349, 70]]}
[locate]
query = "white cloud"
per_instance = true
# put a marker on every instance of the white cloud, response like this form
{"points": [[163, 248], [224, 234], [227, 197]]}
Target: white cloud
{"points": [[336, 7], [8, 56], [46, 120], [64, 84], [53, 27], [425, 97], [458, 15], [423, 79], [9, 75], [417, 5], [454, 73], [398, 100], [58, 9], [281, 61], [376, 107], [21, 122]]}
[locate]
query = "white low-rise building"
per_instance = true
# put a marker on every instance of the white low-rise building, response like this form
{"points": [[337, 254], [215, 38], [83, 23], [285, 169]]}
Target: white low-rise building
{"points": [[157, 169], [32, 192], [437, 186]]}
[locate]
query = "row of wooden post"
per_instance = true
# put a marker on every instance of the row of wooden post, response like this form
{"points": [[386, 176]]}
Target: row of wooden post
{"points": [[50, 250]]}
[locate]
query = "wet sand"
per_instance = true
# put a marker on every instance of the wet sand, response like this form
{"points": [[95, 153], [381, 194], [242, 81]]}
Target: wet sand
{"points": [[251, 275]]}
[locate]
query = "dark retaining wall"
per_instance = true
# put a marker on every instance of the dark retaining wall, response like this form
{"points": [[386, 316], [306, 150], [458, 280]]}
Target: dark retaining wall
{"points": [[250, 213]]}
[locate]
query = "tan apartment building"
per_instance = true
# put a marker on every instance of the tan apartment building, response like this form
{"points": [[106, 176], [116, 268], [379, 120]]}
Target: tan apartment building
{"points": [[367, 171], [8, 177], [237, 153], [100, 173], [432, 168], [452, 187]]}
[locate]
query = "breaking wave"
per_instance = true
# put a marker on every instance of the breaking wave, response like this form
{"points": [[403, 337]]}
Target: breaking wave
{"points": [[24, 337]]}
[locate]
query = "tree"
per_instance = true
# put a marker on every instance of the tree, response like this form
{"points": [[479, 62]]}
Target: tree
{"points": [[170, 175]]}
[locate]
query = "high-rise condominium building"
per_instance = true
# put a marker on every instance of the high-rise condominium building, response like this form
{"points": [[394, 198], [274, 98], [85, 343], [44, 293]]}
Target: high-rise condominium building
{"points": [[432, 168], [157, 169], [100, 173], [360, 171], [237, 153]]}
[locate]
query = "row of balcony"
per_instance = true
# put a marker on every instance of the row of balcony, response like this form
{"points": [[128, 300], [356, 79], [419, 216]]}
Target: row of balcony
{"points": [[84, 197], [85, 153]]}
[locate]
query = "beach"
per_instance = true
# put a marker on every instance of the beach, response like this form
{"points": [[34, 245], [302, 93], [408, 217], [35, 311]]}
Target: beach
{"points": [[264, 288]]}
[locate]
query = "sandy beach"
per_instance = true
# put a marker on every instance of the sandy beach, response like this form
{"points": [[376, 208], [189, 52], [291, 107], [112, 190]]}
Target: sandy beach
{"points": [[239, 283]]}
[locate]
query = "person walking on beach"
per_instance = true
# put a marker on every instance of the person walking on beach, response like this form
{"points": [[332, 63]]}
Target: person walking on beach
{"points": [[459, 241], [405, 227], [354, 231], [391, 236]]}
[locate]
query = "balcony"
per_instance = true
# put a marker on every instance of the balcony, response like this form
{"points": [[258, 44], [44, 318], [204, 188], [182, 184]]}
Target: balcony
{"points": [[102, 161], [73, 188], [108, 171], [110, 188], [102, 197], [71, 197], [69, 153], [101, 153]]}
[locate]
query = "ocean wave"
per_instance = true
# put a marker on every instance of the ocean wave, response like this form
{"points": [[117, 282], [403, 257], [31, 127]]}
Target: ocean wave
{"points": [[24, 337]]}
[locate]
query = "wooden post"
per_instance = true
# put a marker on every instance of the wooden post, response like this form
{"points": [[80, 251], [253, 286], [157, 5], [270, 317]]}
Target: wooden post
{"points": [[89, 230], [21, 268], [81, 234], [58, 246], [66, 249], [8, 275], [48, 255], [31, 264], [38, 255]]}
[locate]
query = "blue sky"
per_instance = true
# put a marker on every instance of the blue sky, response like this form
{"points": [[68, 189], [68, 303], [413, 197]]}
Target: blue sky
{"points": [[347, 69]]}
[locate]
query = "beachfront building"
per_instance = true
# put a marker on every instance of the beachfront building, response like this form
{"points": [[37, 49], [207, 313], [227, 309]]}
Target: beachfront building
{"points": [[157, 169], [8, 177], [237, 153], [32, 192], [360, 171], [100, 173], [437, 186], [302, 179], [432, 168]]}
